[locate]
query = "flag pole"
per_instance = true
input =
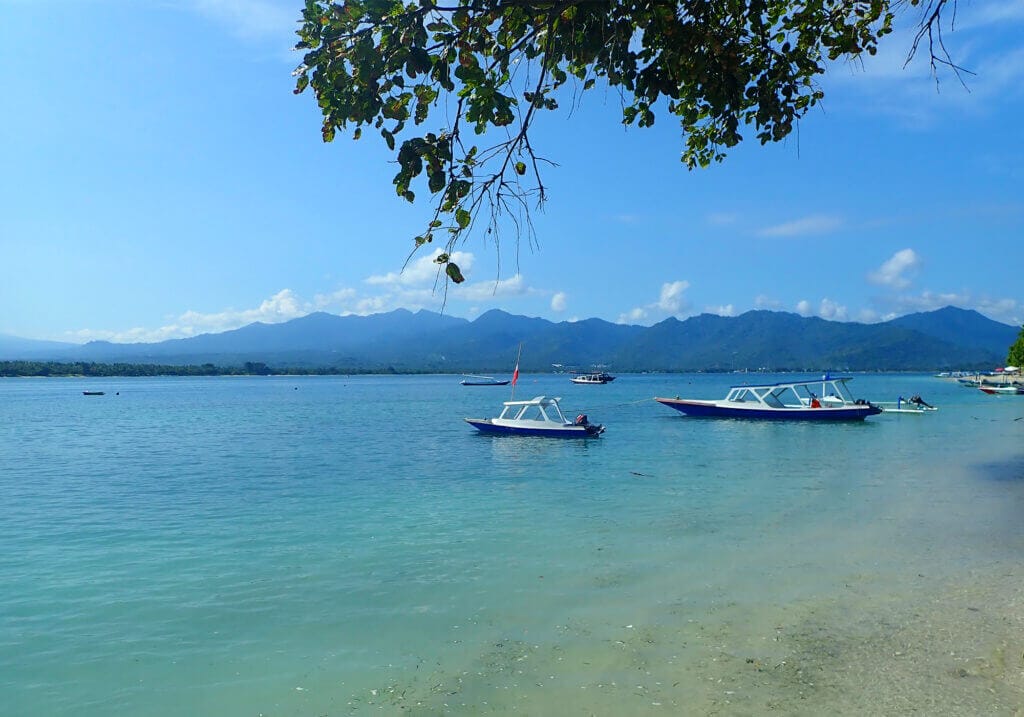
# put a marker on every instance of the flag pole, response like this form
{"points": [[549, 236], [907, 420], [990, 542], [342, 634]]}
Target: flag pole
{"points": [[515, 374]]}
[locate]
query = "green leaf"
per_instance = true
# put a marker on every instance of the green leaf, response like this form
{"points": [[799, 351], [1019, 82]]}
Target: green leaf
{"points": [[520, 168], [462, 218], [453, 272], [442, 258]]}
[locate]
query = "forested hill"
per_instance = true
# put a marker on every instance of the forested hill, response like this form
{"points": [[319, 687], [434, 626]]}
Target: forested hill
{"points": [[949, 338]]}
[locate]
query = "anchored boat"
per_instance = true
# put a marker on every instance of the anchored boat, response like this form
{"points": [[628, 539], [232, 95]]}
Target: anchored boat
{"points": [[473, 380], [540, 416], [593, 377], [824, 399]]}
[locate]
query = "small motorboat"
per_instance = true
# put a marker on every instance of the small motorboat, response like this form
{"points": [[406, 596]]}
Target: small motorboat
{"points": [[914, 404], [786, 401], [594, 377], [472, 380], [1008, 390], [540, 416], [92, 393]]}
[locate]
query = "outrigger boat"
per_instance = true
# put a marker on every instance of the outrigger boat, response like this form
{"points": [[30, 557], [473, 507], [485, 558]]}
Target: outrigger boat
{"points": [[540, 416], [785, 401]]}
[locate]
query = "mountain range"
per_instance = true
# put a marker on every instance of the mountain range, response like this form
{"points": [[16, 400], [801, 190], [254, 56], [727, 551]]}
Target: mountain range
{"points": [[949, 338]]}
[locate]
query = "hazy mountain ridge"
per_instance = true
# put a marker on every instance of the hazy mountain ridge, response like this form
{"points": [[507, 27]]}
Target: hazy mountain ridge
{"points": [[948, 338]]}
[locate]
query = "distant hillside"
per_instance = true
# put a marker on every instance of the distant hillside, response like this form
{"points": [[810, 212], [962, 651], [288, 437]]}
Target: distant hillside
{"points": [[949, 338], [15, 347], [962, 327]]}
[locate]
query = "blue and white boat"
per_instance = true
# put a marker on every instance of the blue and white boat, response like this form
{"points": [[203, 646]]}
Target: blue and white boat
{"points": [[824, 399], [540, 416], [474, 380]]}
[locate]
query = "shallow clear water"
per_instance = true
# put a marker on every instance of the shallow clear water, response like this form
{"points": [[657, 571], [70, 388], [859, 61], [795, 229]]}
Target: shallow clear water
{"points": [[336, 545]]}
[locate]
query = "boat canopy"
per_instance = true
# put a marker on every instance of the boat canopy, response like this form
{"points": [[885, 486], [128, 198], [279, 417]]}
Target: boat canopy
{"points": [[828, 390], [539, 408]]}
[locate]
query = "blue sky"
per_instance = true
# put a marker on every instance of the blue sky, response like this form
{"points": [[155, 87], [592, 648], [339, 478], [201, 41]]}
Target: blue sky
{"points": [[161, 180]]}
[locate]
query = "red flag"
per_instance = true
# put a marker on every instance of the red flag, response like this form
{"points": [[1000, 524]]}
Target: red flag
{"points": [[515, 374]]}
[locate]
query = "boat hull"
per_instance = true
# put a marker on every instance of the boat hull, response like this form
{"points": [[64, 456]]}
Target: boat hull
{"points": [[488, 425], [484, 383], [722, 409]]}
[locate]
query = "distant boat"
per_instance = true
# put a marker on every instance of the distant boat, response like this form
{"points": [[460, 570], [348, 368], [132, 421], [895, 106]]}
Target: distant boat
{"points": [[472, 380], [593, 377], [92, 393], [786, 401], [1003, 390], [540, 416]]}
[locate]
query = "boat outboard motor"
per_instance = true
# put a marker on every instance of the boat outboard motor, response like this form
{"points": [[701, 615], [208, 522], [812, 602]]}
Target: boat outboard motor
{"points": [[581, 420]]}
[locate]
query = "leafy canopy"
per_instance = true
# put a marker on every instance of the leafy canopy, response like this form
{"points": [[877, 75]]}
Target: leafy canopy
{"points": [[719, 67], [1016, 355]]}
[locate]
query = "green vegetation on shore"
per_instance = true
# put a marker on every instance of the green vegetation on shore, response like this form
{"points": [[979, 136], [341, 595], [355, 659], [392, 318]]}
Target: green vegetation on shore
{"points": [[1016, 355], [10, 369]]}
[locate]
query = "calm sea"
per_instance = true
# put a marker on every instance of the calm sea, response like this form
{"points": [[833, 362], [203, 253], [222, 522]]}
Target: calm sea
{"points": [[348, 545]]}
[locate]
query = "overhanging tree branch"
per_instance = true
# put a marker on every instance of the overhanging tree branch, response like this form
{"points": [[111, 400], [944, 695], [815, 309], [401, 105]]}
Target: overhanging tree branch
{"points": [[717, 67]]}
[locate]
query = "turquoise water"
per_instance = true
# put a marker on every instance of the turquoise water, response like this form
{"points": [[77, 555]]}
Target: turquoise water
{"points": [[348, 545]]}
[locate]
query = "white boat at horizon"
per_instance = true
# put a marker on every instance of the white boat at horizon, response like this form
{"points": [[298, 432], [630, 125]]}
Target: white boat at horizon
{"points": [[593, 377]]}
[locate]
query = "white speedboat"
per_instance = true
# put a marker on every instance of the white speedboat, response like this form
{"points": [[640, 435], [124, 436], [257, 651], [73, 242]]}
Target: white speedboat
{"points": [[594, 377], [474, 380], [540, 416], [824, 399]]}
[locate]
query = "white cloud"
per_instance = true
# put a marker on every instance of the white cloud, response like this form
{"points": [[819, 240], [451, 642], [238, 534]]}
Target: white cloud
{"points": [[490, 290], [827, 309], [812, 225], [868, 316], [998, 13], [762, 301], [252, 18], [672, 300], [558, 302], [724, 310], [335, 299], [832, 311], [282, 306], [423, 271], [1008, 311], [983, 41], [633, 316], [892, 272], [373, 305]]}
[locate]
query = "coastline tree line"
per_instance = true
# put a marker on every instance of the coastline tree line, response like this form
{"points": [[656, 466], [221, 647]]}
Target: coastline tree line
{"points": [[37, 369]]}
